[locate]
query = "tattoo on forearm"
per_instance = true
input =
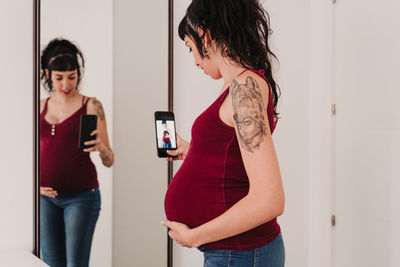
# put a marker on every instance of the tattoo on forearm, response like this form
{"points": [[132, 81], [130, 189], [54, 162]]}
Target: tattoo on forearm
{"points": [[106, 158], [248, 113], [99, 109]]}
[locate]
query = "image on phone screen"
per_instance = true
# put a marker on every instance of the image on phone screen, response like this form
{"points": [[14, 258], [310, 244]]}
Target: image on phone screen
{"points": [[166, 134]]}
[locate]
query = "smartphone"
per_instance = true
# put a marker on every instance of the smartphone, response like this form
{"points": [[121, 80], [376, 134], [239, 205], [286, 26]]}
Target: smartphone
{"points": [[87, 126], [165, 132]]}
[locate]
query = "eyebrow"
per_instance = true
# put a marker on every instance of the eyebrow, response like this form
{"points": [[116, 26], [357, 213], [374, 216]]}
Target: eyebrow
{"points": [[69, 75]]}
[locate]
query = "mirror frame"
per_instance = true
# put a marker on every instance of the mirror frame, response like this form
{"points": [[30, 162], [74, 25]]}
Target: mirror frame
{"points": [[36, 119], [36, 127]]}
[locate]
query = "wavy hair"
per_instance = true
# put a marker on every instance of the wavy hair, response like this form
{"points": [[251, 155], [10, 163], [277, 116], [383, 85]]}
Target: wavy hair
{"points": [[60, 55], [240, 28]]}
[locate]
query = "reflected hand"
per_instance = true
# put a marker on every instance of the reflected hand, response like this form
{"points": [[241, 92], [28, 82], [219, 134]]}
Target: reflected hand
{"points": [[48, 192], [181, 151], [181, 233], [98, 145]]}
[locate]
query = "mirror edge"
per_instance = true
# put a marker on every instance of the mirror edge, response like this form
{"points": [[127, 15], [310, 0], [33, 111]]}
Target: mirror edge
{"points": [[36, 126], [170, 104]]}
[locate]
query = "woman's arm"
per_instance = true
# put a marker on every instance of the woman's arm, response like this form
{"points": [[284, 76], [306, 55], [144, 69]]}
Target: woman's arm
{"points": [[102, 143], [265, 199]]}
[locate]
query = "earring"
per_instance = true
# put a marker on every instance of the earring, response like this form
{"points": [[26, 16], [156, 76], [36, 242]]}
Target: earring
{"points": [[205, 51]]}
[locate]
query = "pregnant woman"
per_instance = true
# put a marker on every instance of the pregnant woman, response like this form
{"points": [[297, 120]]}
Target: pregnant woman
{"points": [[70, 196], [227, 194]]}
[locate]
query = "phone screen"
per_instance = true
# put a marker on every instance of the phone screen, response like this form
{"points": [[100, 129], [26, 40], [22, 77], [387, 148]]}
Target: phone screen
{"points": [[165, 134]]}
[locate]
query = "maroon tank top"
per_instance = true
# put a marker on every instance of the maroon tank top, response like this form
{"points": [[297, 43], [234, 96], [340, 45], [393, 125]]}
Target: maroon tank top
{"points": [[212, 179], [63, 166]]}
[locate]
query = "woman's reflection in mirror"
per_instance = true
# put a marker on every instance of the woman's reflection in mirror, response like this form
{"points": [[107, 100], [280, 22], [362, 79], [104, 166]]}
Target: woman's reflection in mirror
{"points": [[70, 197]]}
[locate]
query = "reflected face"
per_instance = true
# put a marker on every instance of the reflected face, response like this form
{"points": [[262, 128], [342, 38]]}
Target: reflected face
{"points": [[64, 82], [205, 63]]}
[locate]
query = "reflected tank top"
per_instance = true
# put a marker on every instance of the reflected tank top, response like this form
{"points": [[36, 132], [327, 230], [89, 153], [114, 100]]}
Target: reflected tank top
{"points": [[212, 179], [63, 166]]}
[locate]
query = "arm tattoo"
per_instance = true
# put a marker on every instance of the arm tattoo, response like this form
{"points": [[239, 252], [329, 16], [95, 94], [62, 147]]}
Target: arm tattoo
{"points": [[248, 113], [99, 109], [106, 159]]}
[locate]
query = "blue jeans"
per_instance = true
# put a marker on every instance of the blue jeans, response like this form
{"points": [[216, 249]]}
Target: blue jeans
{"points": [[270, 255], [67, 225]]}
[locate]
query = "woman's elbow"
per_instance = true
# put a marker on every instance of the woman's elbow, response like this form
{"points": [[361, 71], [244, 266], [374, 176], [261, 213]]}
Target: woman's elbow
{"points": [[280, 209], [274, 207]]}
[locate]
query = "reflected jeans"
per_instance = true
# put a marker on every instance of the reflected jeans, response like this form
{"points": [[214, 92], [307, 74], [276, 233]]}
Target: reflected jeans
{"points": [[270, 255], [67, 225]]}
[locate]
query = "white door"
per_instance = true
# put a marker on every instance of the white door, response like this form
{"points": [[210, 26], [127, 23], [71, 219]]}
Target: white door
{"points": [[367, 160]]}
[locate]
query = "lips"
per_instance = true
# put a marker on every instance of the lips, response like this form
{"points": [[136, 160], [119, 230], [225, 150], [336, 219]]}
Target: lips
{"points": [[66, 92]]}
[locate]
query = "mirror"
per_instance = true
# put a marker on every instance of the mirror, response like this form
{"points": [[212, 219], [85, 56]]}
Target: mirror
{"points": [[102, 206]]}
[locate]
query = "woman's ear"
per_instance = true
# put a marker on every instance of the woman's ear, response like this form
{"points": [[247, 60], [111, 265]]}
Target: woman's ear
{"points": [[207, 40]]}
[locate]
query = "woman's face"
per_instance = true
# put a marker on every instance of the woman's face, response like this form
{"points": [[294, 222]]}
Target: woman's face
{"points": [[64, 82], [206, 63]]}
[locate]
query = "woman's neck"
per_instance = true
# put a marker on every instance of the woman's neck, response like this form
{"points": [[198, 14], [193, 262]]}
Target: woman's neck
{"points": [[229, 70]]}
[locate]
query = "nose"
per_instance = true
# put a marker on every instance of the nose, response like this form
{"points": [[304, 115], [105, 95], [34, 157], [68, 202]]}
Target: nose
{"points": [[64, 84]]}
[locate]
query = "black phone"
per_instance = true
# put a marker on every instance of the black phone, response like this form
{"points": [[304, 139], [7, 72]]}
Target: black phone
{"points": [[87, 126], [165, 132]]}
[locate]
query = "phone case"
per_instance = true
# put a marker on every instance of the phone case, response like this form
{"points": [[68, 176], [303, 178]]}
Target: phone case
{"points": [[87, 126]]}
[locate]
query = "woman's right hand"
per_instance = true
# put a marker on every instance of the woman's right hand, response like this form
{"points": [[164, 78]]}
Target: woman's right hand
{"points": [[181, 151], [48, 192]]}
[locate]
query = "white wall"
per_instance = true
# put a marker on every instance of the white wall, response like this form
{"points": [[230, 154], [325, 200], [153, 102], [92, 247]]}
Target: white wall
{"points": [[320, 134], [89, 25], [141, 87], [289, 22], [16, 109], [302, 42]]}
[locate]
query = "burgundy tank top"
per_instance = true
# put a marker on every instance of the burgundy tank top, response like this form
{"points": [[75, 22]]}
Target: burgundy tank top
{"points": [[63, 166], [212, 179]]}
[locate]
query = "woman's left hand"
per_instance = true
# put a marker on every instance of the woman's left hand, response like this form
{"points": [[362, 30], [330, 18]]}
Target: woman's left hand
{"points": [[181, 233], [98, 144]]}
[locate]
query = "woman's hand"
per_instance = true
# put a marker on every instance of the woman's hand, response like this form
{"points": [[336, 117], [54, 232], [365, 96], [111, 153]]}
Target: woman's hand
{"points": [[48, 192], [98, 145], [181, 233], [106, 154], [181, 151]]}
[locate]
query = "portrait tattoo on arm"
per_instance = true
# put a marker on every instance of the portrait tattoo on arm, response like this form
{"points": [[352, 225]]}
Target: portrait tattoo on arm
{"points": [[248, 113], [99, 109]]}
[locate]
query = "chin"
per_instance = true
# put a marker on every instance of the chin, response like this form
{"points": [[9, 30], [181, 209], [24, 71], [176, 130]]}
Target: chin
{"points": [[215, 76]]}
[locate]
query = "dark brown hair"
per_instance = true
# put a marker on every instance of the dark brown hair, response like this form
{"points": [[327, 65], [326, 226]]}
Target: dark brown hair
{"points": [[60, 55], [240, 28]]}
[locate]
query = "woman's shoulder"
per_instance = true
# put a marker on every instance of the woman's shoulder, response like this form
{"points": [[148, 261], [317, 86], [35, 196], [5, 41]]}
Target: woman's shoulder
{"points": [[250, 82], [42, 103], [251, 77], [94, 106]]}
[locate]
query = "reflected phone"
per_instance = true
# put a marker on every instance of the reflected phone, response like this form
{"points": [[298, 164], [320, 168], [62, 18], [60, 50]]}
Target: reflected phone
{"points": [[165, 132], [87, 126]]}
